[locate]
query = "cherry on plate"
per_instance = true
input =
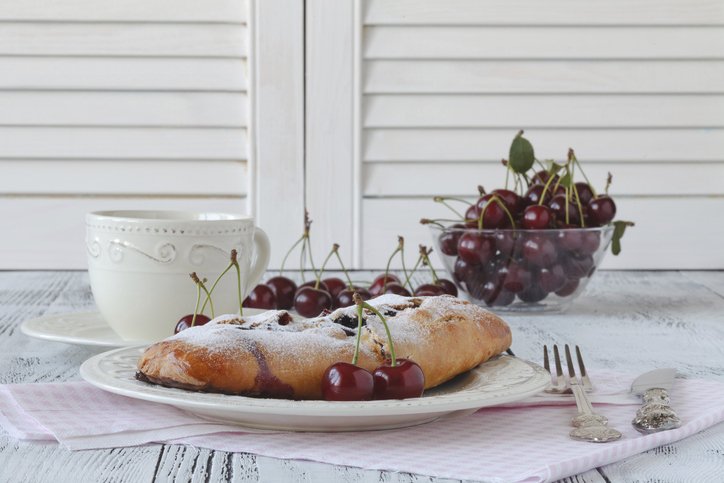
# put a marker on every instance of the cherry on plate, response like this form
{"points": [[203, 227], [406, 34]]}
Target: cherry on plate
{"points": [[397, 289], [343, 381], [334, 285], [380, 281], [310, 302], [447, 286], [429, 290], [402, 381], [345, 297]]}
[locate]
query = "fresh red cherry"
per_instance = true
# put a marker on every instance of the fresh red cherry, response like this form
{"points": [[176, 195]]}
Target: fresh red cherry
{"points": [[312, 283], [343, 381], [449, 238], [591, 241], [402, 381], [494, 215], [601, 210], [261, 297], [429, 290], [464, 271], [578, 267], [334, 285], [585, 193], [539, 250], [542, 177], [552, 279], [380, 281], [537, 217], [471, 216], [185, 322], [476, 247], [344, 298], [558, 207], [447, 286], [495, 295], [284, 290], [570, 238], [512, 200], [568, 289], [514, 277], [397, 289], [505, 241], [310, 302]]}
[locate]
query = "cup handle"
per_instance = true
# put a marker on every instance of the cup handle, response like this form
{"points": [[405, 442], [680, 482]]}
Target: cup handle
{"points": [[262, 250]]}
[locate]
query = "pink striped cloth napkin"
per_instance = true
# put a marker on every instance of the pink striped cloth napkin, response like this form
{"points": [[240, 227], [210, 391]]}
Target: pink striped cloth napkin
{"points": [[527, 442]]}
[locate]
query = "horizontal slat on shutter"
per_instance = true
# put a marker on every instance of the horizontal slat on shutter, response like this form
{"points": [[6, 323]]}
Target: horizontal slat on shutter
{"points": [[616, 77], [655, 242], [126, 10], [49, 232], [604, 145], [124, 177], [199, 109], [64, 73], [475, 42], [461, 179], [544, 111], [123, 39], [554, 12], [141, 143]]}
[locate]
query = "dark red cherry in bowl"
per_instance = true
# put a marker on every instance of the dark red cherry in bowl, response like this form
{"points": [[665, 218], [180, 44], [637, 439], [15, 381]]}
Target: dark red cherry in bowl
{"points": [[284, 290], [345, 297], [512, 200], [558, 207], [449, 239], [585, 193], [310, 302], [490, 207], [343, 381], [402, 381], [537, 217], [334, 285], [378, 284], [397, 289], [261, 297], [476, 247], [429, 290], [601, 210], [185, 322], [471, 217]]}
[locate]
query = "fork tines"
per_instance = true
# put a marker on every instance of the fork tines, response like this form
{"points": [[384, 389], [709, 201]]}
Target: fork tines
{"points": [[559, 382]]}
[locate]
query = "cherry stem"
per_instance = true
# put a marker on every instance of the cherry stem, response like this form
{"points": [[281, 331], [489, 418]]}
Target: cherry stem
{"points": [[362, 304], [498, 201], [232, 262], [355, 357], [309, 250], [578, 198], [289, 252], [200, 283], [440, 199], [427, 221], [198, 299], [572, 157], [344, 270], [408, 283], [425, 254], [609, 179], [335, 247], [541, 165], [238, 287], [302, 258], [545, 188], [567, 204], [402, 255], [389, 261]]}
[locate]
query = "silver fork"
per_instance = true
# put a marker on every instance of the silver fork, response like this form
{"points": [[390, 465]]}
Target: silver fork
{"points": [[588, 425], [560, 386]]}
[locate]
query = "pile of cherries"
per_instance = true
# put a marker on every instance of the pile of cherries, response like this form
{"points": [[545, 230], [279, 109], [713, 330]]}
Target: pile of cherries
{"points": [[316, 296], [531, 243], [397, 378]]}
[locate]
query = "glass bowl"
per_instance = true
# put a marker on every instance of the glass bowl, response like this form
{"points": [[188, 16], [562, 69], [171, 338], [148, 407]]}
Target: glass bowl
{"points": [[530, 271]]}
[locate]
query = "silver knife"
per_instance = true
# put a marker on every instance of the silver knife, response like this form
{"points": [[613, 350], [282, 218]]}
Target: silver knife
{"points": [[656, 414]]}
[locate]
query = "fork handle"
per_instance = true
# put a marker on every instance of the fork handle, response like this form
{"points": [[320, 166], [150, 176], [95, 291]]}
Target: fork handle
{"points": [[586, 416]]}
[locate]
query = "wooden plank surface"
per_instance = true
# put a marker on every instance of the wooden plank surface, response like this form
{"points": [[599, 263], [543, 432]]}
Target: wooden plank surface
{"points": [[507, 42], [122, 73], [123, 39], [129, 109], [535, 77], [556, 12], [677, 316], [549, 111], [127, 11]]}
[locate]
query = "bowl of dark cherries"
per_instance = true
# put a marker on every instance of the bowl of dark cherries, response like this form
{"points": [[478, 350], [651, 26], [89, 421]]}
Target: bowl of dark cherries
{"points": [[533, 246]]}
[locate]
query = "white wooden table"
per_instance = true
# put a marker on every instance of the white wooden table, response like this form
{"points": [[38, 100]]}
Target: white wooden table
{"points": [[627, 320]]}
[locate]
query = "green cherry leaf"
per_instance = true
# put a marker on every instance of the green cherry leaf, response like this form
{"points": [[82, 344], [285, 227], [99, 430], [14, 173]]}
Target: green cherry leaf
{"points": [[521, 156], [618, 231], [554, 167], [566, 181]]}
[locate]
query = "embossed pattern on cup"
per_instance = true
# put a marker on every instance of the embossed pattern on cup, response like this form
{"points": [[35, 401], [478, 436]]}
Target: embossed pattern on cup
{"points": [[139, 264]]}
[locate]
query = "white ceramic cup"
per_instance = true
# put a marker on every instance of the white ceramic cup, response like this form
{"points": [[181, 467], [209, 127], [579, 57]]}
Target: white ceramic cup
{"points": [[139, 264]]}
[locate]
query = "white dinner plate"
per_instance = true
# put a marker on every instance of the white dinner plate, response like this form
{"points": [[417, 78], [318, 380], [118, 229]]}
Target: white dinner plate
{"points": [[82, 328], [501, 380]]}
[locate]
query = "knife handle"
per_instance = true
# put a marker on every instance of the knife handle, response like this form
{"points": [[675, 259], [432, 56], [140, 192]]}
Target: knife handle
{"points": [[656, 414]]}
